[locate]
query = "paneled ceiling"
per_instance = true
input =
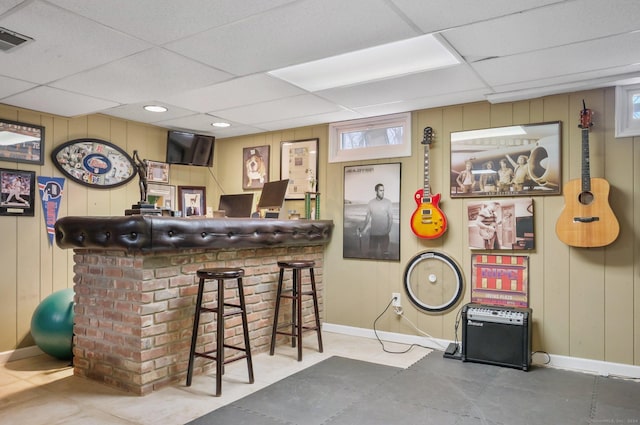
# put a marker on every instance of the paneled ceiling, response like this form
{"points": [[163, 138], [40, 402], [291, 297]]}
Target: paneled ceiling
{"points": [[208, 60]]}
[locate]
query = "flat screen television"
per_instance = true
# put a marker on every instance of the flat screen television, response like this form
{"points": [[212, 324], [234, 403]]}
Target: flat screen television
{"points": [[239, 205], [189, 149]]}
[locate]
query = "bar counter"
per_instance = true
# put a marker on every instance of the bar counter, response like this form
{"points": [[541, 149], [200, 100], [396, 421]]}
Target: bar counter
{"points": [[135, 284]]}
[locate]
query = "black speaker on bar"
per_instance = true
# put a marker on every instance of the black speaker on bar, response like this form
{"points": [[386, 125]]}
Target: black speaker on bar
{"points": [[496, 335]]}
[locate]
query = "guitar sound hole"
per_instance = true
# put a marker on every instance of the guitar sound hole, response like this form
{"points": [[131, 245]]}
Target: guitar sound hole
{"points": [[585, 198]]}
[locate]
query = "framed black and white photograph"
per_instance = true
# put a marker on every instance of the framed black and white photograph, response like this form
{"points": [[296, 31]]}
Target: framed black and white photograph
{"points": [[519, 160], [192, 200], [299, 164], [17, 193], [255, 167], [21, 142], [372, 212], [501, 224]]}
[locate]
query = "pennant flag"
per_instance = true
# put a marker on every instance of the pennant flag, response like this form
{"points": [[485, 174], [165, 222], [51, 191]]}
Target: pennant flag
{"points": [[51, 194]]}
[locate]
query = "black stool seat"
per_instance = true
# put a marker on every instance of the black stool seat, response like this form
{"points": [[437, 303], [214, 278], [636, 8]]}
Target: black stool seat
{"points": [[222, 310], [295, 294]]}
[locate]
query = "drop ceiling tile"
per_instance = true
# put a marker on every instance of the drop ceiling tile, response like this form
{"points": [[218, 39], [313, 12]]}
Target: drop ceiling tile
{"points": [[299, 32], [136, 112], [342, 115], [9, 86], [437, 15], [447, 99], [582, 57], [151, 74], [280, 109], [237, 92], [63, 44], [201, 123], [556, 25], [431, 83], [59, 102], [161, 22]]}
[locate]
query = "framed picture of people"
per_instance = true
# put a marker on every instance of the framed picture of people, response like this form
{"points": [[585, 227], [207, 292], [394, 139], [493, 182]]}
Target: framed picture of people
{"points": [[506, 224], [192, 200], [519, 160], [372, 212], [17, 192]]}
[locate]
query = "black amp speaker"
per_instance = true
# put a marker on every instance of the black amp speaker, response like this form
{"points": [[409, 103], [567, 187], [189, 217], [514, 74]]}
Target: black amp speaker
{"points": [[496, 335]]}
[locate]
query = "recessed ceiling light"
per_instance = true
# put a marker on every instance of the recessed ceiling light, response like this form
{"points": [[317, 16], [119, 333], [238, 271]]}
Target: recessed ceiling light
{"points": [[403, 57], [220, 124], [155, 108]]}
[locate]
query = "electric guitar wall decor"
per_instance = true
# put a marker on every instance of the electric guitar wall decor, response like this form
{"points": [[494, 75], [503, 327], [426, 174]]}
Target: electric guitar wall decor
{"points": [[587, 220], [428, 220]]}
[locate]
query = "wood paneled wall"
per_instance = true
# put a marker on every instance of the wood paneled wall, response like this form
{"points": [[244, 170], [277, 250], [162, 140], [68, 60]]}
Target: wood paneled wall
{"points": [[586, 302]]}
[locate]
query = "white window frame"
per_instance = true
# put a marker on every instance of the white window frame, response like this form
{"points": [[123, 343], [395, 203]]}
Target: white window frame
{"points": [[337, 154], [626, 126]]}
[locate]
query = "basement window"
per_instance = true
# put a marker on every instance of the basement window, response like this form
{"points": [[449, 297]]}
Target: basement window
{"points": [[628, 110]]}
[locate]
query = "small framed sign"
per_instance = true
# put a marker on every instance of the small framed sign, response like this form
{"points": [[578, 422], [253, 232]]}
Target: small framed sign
{"points": [[20, 142], [17, 193]]}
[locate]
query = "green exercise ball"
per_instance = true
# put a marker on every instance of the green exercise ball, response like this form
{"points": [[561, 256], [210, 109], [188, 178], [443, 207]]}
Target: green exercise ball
{"points": [[52, 324]]}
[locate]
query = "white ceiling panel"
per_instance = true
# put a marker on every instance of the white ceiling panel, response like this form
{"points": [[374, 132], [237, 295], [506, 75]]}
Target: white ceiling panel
{"points": [[57, 102], [556, 25], [453, 79], [343, 115], [10, 86], [237, 92], [300, 32], [201, 123], [64, 44], [161, 22], [136, 112], [146, 75]]}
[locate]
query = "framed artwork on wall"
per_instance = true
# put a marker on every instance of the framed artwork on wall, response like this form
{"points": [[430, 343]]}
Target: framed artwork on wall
{"points": [[505, 224], [299, 164], [192, 200], [157, 172], [17, 193], [501, 280], [94, 163], [162, 195], [372, 212], [21, 142], [520, 160], [255, 167]]}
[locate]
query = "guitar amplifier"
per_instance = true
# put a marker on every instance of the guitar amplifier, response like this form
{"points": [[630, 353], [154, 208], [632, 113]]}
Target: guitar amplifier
{"points": [[496, 335]]}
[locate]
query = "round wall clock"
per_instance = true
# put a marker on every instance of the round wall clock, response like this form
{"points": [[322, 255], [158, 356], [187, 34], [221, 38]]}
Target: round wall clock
{"points": [[93, 162]]}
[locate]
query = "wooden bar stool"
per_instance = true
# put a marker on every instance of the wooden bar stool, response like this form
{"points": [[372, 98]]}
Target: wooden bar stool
{"points": [[295, 293], [220, 274]]}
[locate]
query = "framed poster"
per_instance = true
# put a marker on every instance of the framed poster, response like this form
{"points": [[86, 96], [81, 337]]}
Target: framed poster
{"points": [[157, 172], [299, 164], [503, 224], [501, 280], [95, 163], [20, 142], [372, 212], [520, 160], [255, 167], [17, 192], [192, 200]]}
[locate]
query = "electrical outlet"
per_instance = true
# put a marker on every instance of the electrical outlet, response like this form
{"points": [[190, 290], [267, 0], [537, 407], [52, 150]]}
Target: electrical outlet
{"points": [[395, 296]]}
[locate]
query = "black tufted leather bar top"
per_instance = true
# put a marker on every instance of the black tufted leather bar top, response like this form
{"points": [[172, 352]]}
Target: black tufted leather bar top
{"points": [[156, 233]]}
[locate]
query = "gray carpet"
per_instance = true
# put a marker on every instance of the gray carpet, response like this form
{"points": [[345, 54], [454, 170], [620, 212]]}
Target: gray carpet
{"points": [[340, 391]]}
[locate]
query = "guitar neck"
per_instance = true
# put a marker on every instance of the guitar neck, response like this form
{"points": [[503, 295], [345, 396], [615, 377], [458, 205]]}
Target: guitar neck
{"points": [[586, 173], [427, 188]]}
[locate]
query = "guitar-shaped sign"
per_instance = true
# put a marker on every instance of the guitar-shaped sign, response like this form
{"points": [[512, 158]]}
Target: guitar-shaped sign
{"points": [[428, 220], [587, 220]]}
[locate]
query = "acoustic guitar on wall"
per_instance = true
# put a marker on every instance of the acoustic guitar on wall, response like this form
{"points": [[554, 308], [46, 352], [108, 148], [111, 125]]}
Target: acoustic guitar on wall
{"points": [[587, 220], [428, 220]]}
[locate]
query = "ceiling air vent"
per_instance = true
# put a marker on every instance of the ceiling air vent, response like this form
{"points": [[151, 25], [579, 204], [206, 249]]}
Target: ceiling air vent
{"points": [[10, 39]]}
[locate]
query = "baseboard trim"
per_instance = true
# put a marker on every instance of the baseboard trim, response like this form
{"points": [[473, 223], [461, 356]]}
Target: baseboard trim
{"points": [[556, 361], [19, 353]]}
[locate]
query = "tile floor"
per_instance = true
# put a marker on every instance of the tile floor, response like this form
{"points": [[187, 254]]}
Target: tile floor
{"points": [[43, 390]]}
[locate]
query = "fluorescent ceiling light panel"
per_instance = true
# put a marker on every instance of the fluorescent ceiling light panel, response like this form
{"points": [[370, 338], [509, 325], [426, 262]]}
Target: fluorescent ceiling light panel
{"points": [[389, 60]]}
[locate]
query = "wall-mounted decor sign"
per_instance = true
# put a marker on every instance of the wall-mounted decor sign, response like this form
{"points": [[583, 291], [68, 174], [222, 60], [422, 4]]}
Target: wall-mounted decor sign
{"points": [[95, 163], [17, 193], [500, 280], [20, 142], [506, 161], [299, 164], [157, 172], [255, 163]]}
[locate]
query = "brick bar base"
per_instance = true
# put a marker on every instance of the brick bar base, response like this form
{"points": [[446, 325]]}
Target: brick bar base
{"points": [[134, 311]]}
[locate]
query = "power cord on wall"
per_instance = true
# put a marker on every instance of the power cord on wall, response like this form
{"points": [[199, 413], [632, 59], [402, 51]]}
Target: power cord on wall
{"points": [[400, 312]]}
